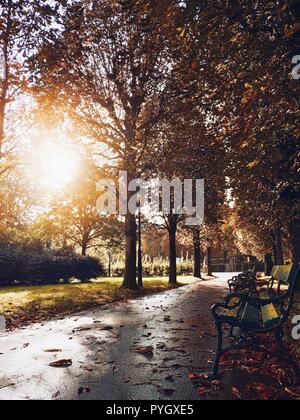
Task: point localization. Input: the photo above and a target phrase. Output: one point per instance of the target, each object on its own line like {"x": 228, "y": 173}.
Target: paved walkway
{"x": 176, "y": 324}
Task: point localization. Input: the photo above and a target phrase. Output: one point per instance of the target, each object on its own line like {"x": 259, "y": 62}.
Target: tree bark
{"x": 109, "y": 269}
{"x": 4, "y": 82}
{"x": 140, "y": 256}
{"x": 279, "y": 248}
{"x": 173, "y": 256}
{"x": 129, "y": 281}
{"x": 83, "y": 250}
{"x": 1, "y": 124}
{"x": 275, "y": 255}
{"x": 3, "y": 95}
{"x": 209, "y": 265}
{"x": 269, "y": 264}
{"x": 197, "y": 254}
{"x": 294, "y": 231}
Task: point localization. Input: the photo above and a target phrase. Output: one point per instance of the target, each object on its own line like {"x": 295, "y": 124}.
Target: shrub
{"x": 23, "y": 267}
{"x": 118, "y": 269}
{"x": 157, "y": 267}
{"x": 185, "y": 268}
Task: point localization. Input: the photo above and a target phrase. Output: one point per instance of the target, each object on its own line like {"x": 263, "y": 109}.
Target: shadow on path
{"x": 174, "y": 329}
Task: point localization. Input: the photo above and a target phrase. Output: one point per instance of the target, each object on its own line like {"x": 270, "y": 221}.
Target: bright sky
{"x": 52, "y": 160}
{"x": 55, "y": 164}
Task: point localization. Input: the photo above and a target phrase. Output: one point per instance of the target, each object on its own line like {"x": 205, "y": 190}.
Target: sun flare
{"x": 55, "y": 165}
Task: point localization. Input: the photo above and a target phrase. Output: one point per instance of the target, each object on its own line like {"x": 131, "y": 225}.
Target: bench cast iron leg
{"x": 285, "y": 353}
{"x": 219, "y": 353}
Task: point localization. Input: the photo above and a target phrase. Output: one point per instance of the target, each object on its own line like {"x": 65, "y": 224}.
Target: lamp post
{"x": 140, "y": 252}
{"x": 109, "y": 263}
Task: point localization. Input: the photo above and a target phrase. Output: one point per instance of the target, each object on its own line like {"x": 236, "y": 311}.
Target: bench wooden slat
{"x": 269, "y": 313}
{"x": 233, "y": 313}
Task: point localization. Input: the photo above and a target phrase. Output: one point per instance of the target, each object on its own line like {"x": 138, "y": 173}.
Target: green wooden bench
{"x": 255, "y": 314}
{"x": 249, "y": 282}
{"x": 244, "y": 281}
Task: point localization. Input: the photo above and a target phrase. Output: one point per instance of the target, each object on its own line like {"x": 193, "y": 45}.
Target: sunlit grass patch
{"x": 21, "y": 305}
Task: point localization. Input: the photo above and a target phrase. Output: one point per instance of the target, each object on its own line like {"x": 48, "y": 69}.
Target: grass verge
{"x": 24, "y": 305}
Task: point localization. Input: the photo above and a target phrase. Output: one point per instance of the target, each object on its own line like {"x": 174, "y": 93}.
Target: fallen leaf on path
{"x": 161, "y": 346}
{"x": 166, "y": 391}
{"x": 227, "y": 363}
{"x": 57, "y": 394}
{"x": 196, "y": 376}
{"x": 61, "y": 363}
{"x": 87, "y": 369}
{"x": 236, "y": 393}
{"x": 84, "y": 390}
{"x": 260, "y": 391}
{"x": 143, "y": 350}
{"x": 82, "y": 329}
{"x": 53, "y": 351}
{"x": 217, "y": 384}
{"x": 178, "y": 366}
{"x": 203, "y": 391}
{"x": 7, "y": 385}
{"x": 107, "y": 328}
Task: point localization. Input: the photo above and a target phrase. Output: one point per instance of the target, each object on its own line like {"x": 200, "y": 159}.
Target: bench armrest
{"x": 241, "y": 280}
{"x": 217, "y": 306}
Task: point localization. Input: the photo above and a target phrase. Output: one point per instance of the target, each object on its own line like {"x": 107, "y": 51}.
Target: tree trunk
{"x": 197, "y": 254}
{"x": 109, "y": 269}
{"x": 279, "y": 248}
{"x": 209, "y": 265}
{"x": 1, "y": 124}
{"x": 4, "y": 82}
{"x": 140, "y": 256}
{"x": 269, "y": 264}
{"x": 294, "y": 231}
{"x": 275, "y": 254}
{"x": 83, "y": 250}
{"x": 173, "y": 256}
{"x": 3, "y": 94}
{"x": 130, "y": 253}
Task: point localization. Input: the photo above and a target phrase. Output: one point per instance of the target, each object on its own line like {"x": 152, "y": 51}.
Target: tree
{"x": 171, "y": 224}
{"x": 74, "y": 220}
{"x": 253, "y": 104}
{"x": 110, "y": 67}
{"x": 22, "y": 25}
{"x": 16, "y": 200}
{"x": 197, "y": 252}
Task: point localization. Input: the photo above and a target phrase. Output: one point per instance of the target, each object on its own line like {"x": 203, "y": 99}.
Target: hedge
{"x": 158, "y": 267}
{"x": 26, "y": 268}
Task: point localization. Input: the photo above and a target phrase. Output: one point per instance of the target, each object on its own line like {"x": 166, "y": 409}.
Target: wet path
{"x": 101, "y": 344}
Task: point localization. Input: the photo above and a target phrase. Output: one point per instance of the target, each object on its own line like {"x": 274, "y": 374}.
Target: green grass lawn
{"x": 22, "y": 305}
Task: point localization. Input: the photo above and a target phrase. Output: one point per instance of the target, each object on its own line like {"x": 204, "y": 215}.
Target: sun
{"x": 55, "y": 165}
